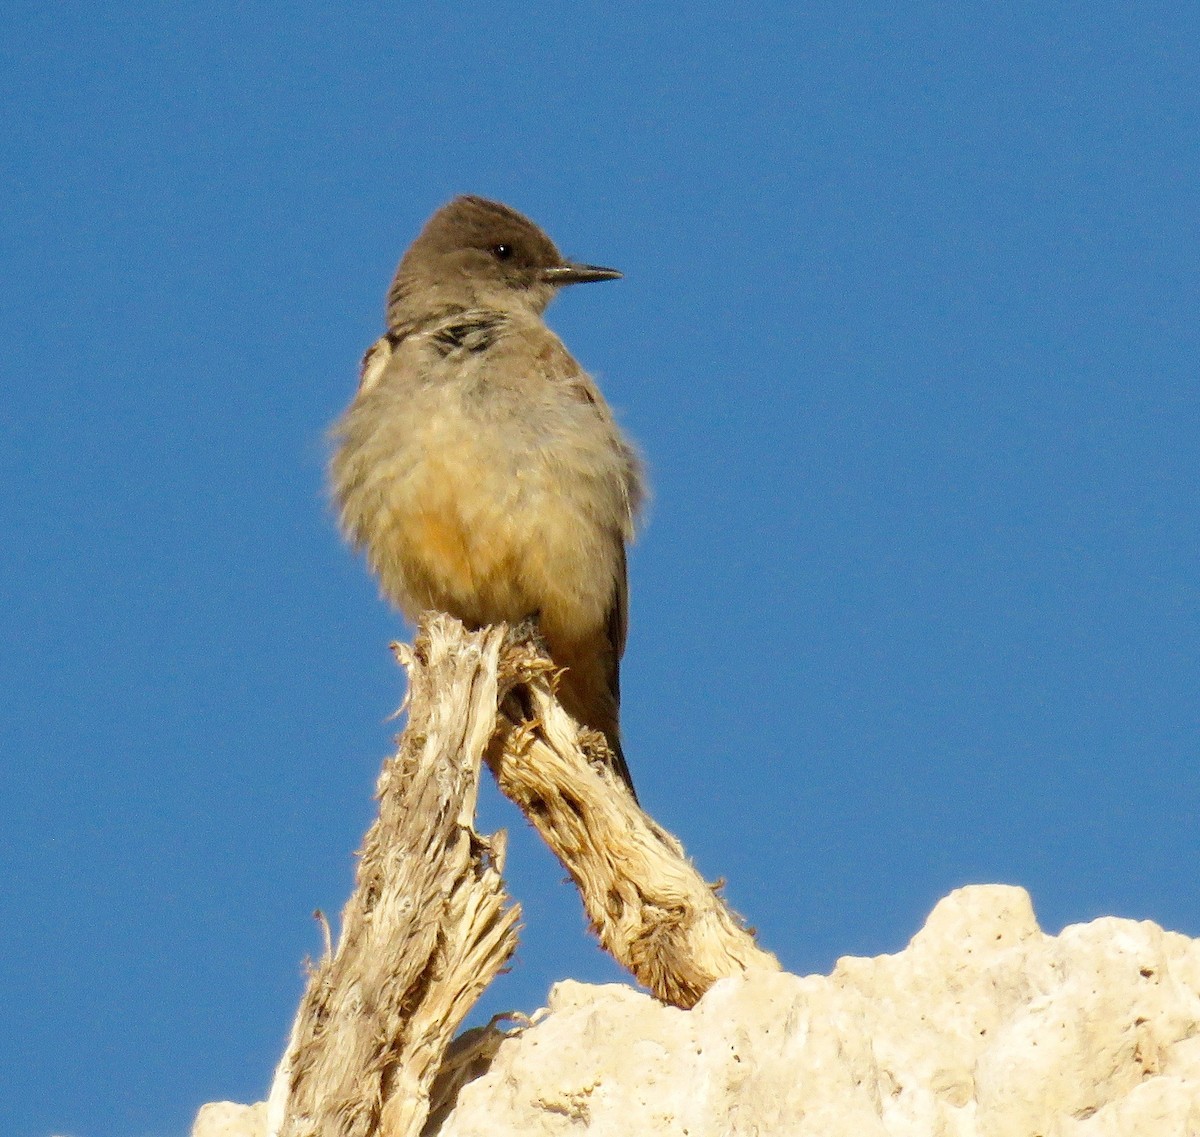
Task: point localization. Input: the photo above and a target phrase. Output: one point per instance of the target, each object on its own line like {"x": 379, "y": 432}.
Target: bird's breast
{"x": 491, "y": 506}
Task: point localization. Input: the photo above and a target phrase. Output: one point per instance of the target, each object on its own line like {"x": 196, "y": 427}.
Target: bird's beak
{"x": 571, "y": 273}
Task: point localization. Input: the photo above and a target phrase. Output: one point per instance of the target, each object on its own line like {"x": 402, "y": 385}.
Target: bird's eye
{"x": 502, "y": 251}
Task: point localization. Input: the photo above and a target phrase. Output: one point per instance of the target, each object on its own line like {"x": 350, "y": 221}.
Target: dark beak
{"x": 571, "y": 273}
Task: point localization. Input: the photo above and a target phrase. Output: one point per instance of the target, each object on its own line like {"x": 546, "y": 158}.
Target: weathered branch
{"x": 429, "y": 924}
{"x": 649, "y": 906}
{"x": 427, "y": 927}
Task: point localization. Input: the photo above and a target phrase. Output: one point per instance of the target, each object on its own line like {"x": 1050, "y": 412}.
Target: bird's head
{"x": 480, "y": 253}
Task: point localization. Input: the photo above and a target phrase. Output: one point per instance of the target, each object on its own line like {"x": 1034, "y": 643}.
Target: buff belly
{"x": 487, "y": 545}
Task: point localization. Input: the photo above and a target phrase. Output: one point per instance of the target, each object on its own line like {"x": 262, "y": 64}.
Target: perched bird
{"x": 479, "y": 466}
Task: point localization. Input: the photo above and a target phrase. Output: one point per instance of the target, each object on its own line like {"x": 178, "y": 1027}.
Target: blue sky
{"x": 908, "y": 335}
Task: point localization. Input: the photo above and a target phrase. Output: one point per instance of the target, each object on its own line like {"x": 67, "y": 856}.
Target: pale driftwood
{"x": 649, "y": 906}
{"x": 428, "y": 926}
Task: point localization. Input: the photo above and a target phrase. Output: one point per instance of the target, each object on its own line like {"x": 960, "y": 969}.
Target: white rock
{"x": 983, "y": 1027}
{"x": 228, "y": 1119}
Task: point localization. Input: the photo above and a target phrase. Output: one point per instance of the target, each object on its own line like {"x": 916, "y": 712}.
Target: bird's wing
{"x": 618, "y": 625}
{"x": 374, "y": 363}
{"x": 618, "y": 616}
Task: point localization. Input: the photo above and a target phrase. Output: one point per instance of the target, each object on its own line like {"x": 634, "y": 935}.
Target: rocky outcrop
{"x": 983, "y": 1025}
{"x": 228, "y": 1119}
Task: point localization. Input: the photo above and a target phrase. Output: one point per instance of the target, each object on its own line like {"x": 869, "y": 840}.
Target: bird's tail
{"x": 618, "y": 761}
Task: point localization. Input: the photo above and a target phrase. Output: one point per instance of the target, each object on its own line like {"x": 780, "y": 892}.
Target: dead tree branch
{"x": 429, "y": 924}
{"x": 649, "y": 906}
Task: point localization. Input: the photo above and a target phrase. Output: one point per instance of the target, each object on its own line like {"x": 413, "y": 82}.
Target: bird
{"x": 478, "y": 466}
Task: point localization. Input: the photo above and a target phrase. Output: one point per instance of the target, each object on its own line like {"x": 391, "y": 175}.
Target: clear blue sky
{"x": 909, "y": 336}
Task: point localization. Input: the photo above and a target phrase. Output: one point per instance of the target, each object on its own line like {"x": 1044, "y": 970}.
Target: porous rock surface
{"x": 983, "y": 1026}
